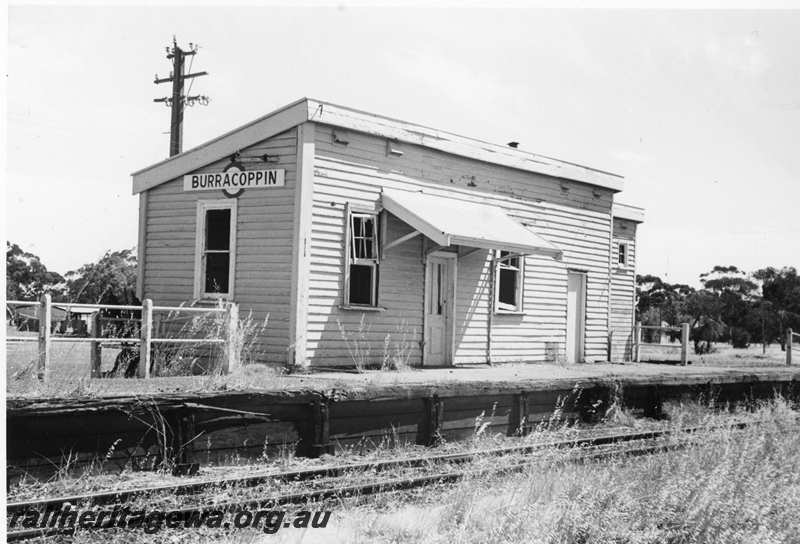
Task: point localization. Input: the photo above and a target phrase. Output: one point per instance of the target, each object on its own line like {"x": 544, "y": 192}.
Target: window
{"x": 361, "y": 276}
{"x": 216, "y": 248}
{"x": 509, "y": 282}
{"x": 622, "y": 253}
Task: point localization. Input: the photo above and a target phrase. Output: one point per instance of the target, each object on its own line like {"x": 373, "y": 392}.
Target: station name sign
{"x": 234, "y": 179}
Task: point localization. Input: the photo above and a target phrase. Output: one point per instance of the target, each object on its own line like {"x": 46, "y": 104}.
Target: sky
{"x": 699, "y": 110}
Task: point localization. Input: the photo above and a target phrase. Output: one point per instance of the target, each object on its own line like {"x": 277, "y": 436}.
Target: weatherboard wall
{"x": 573, "y": 215}
{"x": 263, "y": 243}
{"x": 623, "y": 290}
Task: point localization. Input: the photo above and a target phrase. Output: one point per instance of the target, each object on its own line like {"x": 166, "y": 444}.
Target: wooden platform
{"x": 321, "y": 412}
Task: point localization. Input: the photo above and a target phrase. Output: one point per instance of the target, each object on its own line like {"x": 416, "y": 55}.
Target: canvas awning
{"x": 449, "y": 221}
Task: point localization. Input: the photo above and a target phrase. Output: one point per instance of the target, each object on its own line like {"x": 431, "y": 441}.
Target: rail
{"x": 327, "y": 482}
{"x": 45, "y": 338}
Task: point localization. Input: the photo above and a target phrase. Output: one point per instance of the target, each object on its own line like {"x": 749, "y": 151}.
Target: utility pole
{"x": 178, "y": 100}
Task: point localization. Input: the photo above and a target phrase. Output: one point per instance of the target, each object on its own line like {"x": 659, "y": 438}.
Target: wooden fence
{"x": 145, "y": 338}
{"x": 684, "y": 345}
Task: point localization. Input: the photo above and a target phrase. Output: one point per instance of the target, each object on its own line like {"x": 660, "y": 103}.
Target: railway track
{"x": 325, "y": 483}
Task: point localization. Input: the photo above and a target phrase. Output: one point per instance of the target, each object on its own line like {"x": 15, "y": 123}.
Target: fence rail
{"x": 145, "y": 339}
{"x": 684, "y": 345}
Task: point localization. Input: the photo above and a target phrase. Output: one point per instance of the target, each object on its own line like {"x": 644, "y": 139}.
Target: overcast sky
{"x": 700, "y": 111}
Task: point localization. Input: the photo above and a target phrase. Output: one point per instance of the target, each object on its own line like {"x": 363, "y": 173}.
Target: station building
{"x": 365, "y": 238}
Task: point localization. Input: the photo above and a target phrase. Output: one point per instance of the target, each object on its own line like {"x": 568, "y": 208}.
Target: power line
{"x": 178, "y": 101}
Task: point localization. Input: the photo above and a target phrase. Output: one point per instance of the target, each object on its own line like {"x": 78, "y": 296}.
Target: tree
{"x": 659, "y": 301}
{"x": 27, "y": 278}
{"x": 780, "y": 290}
{"x": 737, "y": 295}
{"x": 110, "y": 280}
{"x": 706, "y": 325}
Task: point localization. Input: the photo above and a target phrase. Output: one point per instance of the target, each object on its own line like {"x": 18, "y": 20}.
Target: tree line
{"x": 732, "y": 306}
{"x": 109, "y": 280}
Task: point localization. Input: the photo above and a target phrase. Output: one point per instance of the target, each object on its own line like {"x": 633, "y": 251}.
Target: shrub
{"x": 740, "y": 338}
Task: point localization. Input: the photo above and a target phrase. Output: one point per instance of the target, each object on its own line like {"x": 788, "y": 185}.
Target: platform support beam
{"x": 517, "y": 419}
{"x": 429, "y": 430}
{"x": 789, "y": 335}
{"x": 315, "y": 431}
{"x": 183, "y": 430}
{"x": 637, "y": 340}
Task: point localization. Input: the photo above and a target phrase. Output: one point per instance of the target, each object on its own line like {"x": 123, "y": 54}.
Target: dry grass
{"x": 723, "y": 355}
{"x": 396, "y": 351}
{"x": 736, "y": 487}
{"x": 196, "y": 366}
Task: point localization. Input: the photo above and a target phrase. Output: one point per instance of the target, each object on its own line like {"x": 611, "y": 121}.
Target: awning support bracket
{"x": 470, "y": 252}
{"x": 400, "y": 240}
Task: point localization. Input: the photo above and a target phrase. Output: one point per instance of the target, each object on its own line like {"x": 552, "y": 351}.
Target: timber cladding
{"x": 623, "y": 289}
{"x": 294, "y": 260}
{"x": 574, "y": 216}
{"x": 263, "y": 243}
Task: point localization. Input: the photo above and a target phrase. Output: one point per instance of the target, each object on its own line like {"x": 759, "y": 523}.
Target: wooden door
{"x": 438, "y": 311}
{"x": 576, "y": 321}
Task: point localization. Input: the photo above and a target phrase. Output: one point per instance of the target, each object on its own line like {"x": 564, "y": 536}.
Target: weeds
{"x": 734, "y": 486}
{"x": 396, "y": 354}
{"x": 357, "y": 343}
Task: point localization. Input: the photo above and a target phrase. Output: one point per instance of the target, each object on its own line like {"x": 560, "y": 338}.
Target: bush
{"x": 740, "y": 338}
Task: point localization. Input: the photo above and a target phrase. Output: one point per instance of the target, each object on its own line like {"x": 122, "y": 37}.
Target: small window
{"x": 361, "y": 277}
{"x": 216, "y": 230}
{"x": 509, "y": 282}
{"x": 622, "y": 254}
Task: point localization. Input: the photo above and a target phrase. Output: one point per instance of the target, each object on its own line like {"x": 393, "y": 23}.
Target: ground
{"x": 69, "y": 376}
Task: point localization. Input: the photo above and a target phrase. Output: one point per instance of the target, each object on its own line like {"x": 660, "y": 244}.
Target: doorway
{"x": 576, "y": 315}
{"x": 440, "y": 281}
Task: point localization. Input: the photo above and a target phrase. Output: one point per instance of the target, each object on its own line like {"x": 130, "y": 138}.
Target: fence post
{"x": 156, "y": 332}
{"x": 232, "y": 340}
{"x": 637, "y": 339}
{"x": 143, "y": 370}
{"x": 45, "y": 317}
{"x": 95, "y": 353}
{"x": 610, "y": 344}
{"x": 684, "y": 343}
{"x": 789, "y": 347}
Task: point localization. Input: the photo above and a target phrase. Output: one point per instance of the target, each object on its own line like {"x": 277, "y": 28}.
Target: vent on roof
{"x": 513, "y": 144}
